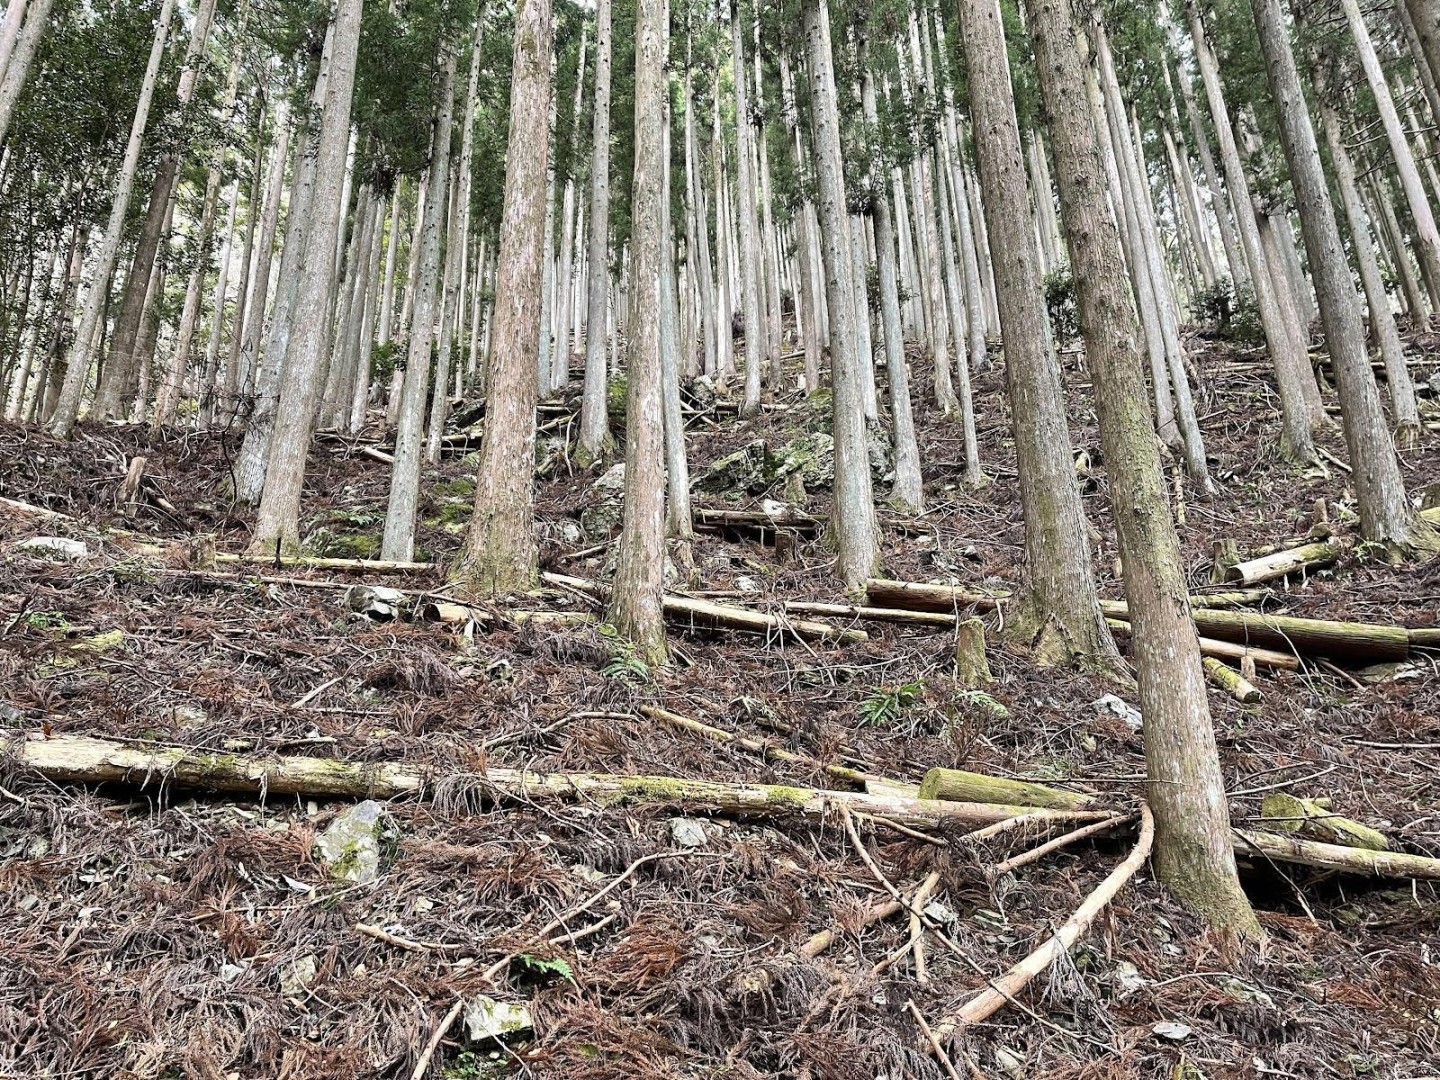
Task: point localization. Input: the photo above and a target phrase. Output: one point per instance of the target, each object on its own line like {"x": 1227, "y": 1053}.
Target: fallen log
{"x": 691, "y": 614}
{"x": 1372, "y": 642}
{"x": 918, "y": 596}
{"x": 936, "y": 619}
{"x": 38, "y": 511}
{"x": 1348, "y": 860}
{"x": 1002, "y": 990}
{"x": 89, "y": 760}
{"x": 1312, "y": 820}
{"x": 1229, "y": 650}
{"x": 1120, "y": 609}
{"x": 957, "y": 785}
{"x": 374, "y": 566}
{"x": 788, "y": 518}
{"x": 1231, "y": 681}
{"x": 1297, "y": 560}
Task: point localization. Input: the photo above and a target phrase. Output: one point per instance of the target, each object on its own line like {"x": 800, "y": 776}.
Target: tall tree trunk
{"x": 1382, "y": 320}
{"x": 697, "y": 242}
{"x": 500, "y": 555}
{"x": 407, "y": 303}
{"x": 1193, "y": 853}
{"x": 1386, "y": 516}
{"x": 210, "y": 389}
{"x": 116, "y": 384}
{"x": 1427, "y": 238}
{"x": 594, "y": 424}
{"x": 1425, "y": 18}
{"x": 239, "y": 378}
{"x": 907, "y": 492}
{"x": 749, "y": 254}
{"x": 77, "y": 371}
{"x": 855, "y": 530}
{"x": 678, "y": 521}
{"x": 634, "y": 608}
{"x": 440, "y": 399}
{"x": 277, "y": 525}
{"x": 27, "y": 43}
{"x": 565, "y": 277}
{"x": 398, "y": 542}
{"x": 1292, "y": 365}
{"x": 1058, "y": 607}
{"x": 10, "y": 32}
{"x": 263, "y": 376}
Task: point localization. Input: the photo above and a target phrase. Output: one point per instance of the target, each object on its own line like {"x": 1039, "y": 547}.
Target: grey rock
{"x": 810, "y": 458}
{"x": 600, "y": 521}
{"x": 377, "y": 602}
{"x": 569, "y": 532}
{"x": 612, "y": 481}
{"x": 486, "y": 1019}
{"x": 352, "y": 845}
{"x": 1114, "y": 706}
{"x": 55, "y": 548}
{"x": 688, "y": 833}
{"x": 741, "y": 470}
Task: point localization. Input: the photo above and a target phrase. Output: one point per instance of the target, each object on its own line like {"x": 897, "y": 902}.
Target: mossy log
{"x": 1302, "y": 559}
{"x": 1231, "y": 681}
{"x": 1312, "y": 819}
{"x": 917, "y": 596}
{"x": 85, "y": 759}
{"x": 1338, "y": 857}
{"x": 956, "y": 785}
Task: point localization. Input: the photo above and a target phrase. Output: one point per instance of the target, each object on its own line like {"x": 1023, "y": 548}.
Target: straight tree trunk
{"x": 1427, "y": 238}
{"x": 450, "y": 285}
{"x": 678, "y": 521}
{"x": 1386, "y": 516}
{"x": 1382, "y": 319}
{"x": 1424, "y": 17}
{"x": 635, "y": 600}
{"x": 1058, "y": 606}
{"x": 398, "y": 542}
{"x": 277, "y": 525}
{"x": 697, "y": 242}
{"x": 77, "y": 371}
{"x": 10, "y": 32}
{"x": 1193, "y": 853}
{"x": 855, "y": 530}
{"x": 263, "y": 377}
{"x": 560, "y": 366}
{"x": 500, "y": 555}
{"x": 210, "y": 389}
{"x": 907, "y": 492}
{"x": 594, "y": 424}
{"x": 749, "y": 247}
{"x": 1292, "y": 366}
{"x": 239, "y": 378}
{"x": 27, "y": 43}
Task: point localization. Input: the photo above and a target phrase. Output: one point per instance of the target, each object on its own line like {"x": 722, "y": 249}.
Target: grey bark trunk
{"x": 594, "y": 424}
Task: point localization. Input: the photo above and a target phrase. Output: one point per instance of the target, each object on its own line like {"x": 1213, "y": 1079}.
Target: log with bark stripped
{"x": 1304, "y": 559}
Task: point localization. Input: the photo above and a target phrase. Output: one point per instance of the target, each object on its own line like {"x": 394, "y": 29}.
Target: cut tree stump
{"x": 1312, "y": 820}
{"x": 956, "y": 785}
{"x": 1303, "y": 559}
{"x": 88, "y": 760}
{"x": 972, "y": 670}
{"x": 1231, "y": 681}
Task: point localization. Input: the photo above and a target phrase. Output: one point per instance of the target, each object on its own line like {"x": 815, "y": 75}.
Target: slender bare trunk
{"x": 594, "y": 424}
{"x": 27, "y": 43}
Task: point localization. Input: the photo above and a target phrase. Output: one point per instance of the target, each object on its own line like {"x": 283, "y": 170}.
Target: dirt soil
{"x": 150, "y": 932}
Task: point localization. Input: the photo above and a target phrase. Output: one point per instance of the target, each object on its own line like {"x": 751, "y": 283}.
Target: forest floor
{"x": 156, "y": 933}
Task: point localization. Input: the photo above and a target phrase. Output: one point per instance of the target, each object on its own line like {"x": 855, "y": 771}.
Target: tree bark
{"x": 1193, "y": 854}
{"x": 277, "y": 525}
{"x": 399, "y": 537}
{"x": 749, "y": 255}
{"x": 594, "y": 424}
{"x": 1058, "y": 602}
{"x": 1386, "y": 516}
{"x": 27, "y": 43}
{"x": 77, "y": 371}
{"x": 500, "y": 553}
{"x": 855, "y": 530}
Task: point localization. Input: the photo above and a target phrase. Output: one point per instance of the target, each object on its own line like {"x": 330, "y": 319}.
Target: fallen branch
{"x": 917, "y": 596}
{"x": 89, "y": 760}
{"x": 756, "y": 746}
{"x": 691, "y": 614}
{"x": 1035, "y": 854}
{"x": 993, "y": 998}
{"x": 38, "y": 511}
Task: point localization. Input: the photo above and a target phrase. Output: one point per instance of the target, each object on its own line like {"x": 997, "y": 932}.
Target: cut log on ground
{"x": 691, "y": 614}
{"x": 1231, "y": 681}
{"x": 917, "y": 596}
{"x": 361, "y": 566}
{"x": 1002, "y": 990}
{"x": 37, "y": 511}
{"x": 761, "y": 521}
{"x": 1311, "y": 819}
{"x": 937, "y": 619}
{"x": 1347, "y": 860}
{"x": 1369, "y": 642}
{"x": 956, "y": 785}
{"x": 1229, "y": 650}
{"x": 1299, "y": 560}
{"x": 88, "y": 760}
